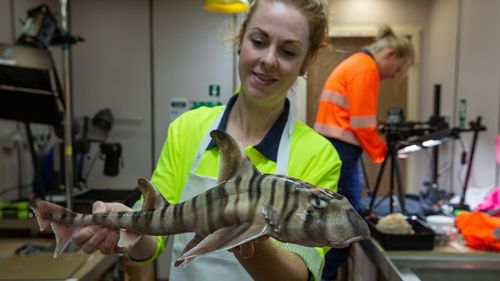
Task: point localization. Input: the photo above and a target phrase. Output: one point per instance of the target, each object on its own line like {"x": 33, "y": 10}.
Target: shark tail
{"x": 45, "y": 213}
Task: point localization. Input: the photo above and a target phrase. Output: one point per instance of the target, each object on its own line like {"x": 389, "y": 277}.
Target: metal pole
{"x": 68, "y": 146}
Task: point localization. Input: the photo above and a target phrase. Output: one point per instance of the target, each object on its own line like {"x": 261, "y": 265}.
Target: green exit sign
{"x": 214, "y": 90}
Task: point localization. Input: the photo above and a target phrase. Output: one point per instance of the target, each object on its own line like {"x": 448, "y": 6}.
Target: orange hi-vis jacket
{"x": 348, "y": 105}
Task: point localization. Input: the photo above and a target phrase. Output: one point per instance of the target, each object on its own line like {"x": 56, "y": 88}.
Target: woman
{"x": 277, "y": 41}
{"x": 347, "y": 113}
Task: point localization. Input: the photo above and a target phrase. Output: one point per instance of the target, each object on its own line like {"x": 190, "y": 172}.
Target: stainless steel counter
{"x": 442, "y": 263}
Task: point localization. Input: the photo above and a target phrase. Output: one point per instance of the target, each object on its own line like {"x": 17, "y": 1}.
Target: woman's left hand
{"x": 246, "y": 250}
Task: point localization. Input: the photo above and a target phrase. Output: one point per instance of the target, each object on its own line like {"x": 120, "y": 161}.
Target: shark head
{"x": 321, "y": 218}
{"x": 296, "y": 211}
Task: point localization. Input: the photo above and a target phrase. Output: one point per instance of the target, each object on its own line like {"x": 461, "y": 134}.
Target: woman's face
{"x": 390, "y": 65}
{"x": 272, "y": 51}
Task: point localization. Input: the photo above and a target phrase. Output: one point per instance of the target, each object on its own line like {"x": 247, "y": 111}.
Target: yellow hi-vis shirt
{"x": 312, "y": 159}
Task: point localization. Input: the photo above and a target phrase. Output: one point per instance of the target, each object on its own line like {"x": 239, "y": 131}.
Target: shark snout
{"x": 358, "y": 224}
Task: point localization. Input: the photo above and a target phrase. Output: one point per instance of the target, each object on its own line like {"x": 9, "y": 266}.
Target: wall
{"x": 191, "y": 51}
{"x": 440, "y": 68}
{"x": 479, "y": 83}
{"x": 111, "y": 69}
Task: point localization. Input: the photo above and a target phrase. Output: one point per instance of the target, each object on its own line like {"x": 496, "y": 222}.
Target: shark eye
{"x": 318, "y": 203}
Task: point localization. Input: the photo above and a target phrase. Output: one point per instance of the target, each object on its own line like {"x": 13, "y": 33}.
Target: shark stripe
{"x": 180, "y": 218}
{"x": 274, "y": 181}
{"x": 194, "y": 210}
{"x": 164, "y": 210}
{"x": 293, "y": 208}
{"x": 237, "y": 183}
{"x": 251, "y": 186}
{"x": 211, "y": 222}
{"x": 223, "y": 199}
{"x": 286, "y": 196}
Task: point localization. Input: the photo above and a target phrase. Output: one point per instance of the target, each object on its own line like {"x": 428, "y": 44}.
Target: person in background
{"x": 347, "y": 114}
{"x": 277, "y": 41}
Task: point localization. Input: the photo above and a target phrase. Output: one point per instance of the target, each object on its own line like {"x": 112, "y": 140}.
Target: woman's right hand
{"x": 105, "y": 239}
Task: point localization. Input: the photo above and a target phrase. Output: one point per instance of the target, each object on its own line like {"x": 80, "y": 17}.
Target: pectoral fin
{"x": 226, "y": 238}
{"x": 127, "y": 241}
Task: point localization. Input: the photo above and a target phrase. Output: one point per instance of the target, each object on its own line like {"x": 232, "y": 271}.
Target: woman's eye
{"x": 257, "y": 42}
{"x": 289, "y": 53}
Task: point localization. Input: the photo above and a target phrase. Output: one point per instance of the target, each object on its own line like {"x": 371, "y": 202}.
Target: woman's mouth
{"x": 263, "y": 78}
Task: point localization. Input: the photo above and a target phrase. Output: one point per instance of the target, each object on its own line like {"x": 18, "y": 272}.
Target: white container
{"x": 440, "y": 223}
{"x": 443, "y": 227}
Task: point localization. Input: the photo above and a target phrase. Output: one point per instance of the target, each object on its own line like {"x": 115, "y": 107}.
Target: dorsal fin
{"x": 232, "y": 156}
{"x": 152, "y": 198}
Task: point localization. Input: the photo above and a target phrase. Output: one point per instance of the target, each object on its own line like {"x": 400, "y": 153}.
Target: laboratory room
{"x": 249, "y": 140}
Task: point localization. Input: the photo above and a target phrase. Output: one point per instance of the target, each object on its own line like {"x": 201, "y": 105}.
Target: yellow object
{"x": 226, "y": 6}
{"x": 17, "y": 210}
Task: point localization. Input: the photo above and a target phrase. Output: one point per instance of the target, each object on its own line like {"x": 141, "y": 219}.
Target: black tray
{"x": 423, "y": 239}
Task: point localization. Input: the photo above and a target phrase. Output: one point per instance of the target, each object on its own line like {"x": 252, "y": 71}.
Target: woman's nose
{"x": 269, "y": 59}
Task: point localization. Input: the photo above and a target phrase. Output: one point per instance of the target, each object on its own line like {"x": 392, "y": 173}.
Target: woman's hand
{"x": 94, "y": 237}
{"x": 247, "y": 250}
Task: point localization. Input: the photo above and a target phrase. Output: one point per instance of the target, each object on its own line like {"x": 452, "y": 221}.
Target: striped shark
{"x": 245, "y": 205}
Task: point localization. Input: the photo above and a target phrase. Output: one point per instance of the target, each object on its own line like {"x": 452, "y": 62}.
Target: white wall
{"x": 439, "y": 67}
{"x": 479, "y": 82}
{"x": 191, "y": 51}
{"x": 111, "y": 69}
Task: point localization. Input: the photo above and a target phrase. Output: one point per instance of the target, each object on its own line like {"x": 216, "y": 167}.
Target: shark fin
{"x": 64, "y": 235}
{"x": 37, "y": 205}
{"x": 153, "y": 199}
{"x": 195, "y": 241}
{"x": 224, "y": 239}
{"x": 233, "y": 158}
{"x": 127, "y": 240}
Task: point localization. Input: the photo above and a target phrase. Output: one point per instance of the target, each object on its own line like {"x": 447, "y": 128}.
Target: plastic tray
{"x": 423, "y": 239}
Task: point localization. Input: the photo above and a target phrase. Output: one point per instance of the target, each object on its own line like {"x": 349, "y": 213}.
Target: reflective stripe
{"x": 336, "y": 132}
{"x": 363, "y": 121}
{"x": 335, "y": 98}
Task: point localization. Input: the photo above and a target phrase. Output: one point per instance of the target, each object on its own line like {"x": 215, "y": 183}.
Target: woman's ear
{"x": 305, "y": 65}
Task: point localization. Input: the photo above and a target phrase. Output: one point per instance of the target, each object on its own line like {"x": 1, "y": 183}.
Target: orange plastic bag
{"x": 477, "y": 229}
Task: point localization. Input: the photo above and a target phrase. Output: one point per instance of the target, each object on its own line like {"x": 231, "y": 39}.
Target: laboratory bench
{"x": 17, "y": 264}
{"x": 369, "y": 261}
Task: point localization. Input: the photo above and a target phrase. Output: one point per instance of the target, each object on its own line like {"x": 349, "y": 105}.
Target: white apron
{"x": 221, "y": 265}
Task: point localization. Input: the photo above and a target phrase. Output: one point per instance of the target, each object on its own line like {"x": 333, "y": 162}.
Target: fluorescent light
{"x": 431, "y": 143}
{"x": 226, "y": 6}
{"x": 409, "y": 149}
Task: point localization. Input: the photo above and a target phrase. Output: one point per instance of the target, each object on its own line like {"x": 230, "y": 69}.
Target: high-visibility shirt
{"x": 312, "y": 159}
{"x": 348, "y": 105}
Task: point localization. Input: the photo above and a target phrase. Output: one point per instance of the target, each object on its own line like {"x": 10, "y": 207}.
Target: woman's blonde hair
{"x": 386, "y": 38}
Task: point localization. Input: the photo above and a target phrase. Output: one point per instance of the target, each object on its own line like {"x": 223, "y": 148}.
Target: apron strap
{"x": 284, "y": 147}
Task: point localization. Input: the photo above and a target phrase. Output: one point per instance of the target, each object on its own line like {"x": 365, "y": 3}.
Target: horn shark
{"x": 245, "y": 205}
